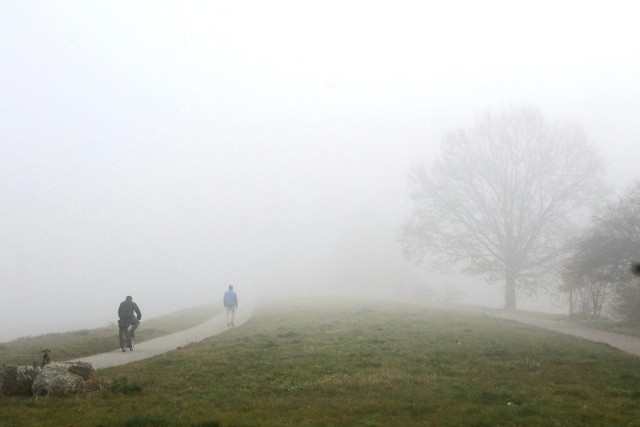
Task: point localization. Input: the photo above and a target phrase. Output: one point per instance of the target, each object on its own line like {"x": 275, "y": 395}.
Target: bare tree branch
{"x": 502, "y": 198}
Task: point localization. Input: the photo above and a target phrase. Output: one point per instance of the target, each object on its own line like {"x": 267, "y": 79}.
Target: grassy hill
{"x": 364, "y": 364}
{"x": 69, "y": 345}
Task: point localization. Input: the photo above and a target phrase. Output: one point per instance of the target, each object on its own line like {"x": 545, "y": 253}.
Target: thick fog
{"x": 166, "y": 150}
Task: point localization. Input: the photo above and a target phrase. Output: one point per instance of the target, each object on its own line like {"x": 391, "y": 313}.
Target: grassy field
{"x": 364, "y": 364}
{"x": 68, "y": 345}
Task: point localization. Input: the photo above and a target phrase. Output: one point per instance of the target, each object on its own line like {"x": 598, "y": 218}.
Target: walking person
{"x": 230, "y": 302}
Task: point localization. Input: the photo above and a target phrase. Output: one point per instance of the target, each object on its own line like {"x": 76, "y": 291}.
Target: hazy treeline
{"x": 509, "y": 198}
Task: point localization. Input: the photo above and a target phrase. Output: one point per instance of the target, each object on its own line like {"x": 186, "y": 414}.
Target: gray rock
{"x": 16, "y": 380}
{"x": 56, "y": 381}
{"x": 83, "y": 369}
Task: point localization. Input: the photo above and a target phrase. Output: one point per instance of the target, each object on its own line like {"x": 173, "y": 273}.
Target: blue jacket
{"x": 230, "y": 298}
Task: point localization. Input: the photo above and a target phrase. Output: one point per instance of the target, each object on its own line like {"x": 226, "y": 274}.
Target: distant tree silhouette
{"x": 603, "y": 263}
{"x": 502, "y": 199}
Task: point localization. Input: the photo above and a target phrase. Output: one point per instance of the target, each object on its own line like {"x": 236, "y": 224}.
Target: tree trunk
{"x": 571, "y": 303}
{"x": 510, "y": 291}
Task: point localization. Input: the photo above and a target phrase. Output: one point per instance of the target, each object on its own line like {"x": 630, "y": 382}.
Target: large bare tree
{"x": 502, "y": 198}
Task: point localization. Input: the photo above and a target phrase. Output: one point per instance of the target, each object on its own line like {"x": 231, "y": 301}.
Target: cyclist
{"x": 129, "y": 314}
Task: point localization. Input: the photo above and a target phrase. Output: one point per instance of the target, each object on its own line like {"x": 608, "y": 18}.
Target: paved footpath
{"x": 217, "y": 325}
{"x": 157, "y": 346}
{"x": 623, "y": 342}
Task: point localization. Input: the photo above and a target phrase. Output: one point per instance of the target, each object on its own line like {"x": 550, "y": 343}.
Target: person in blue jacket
{"x": 230, "y": 302}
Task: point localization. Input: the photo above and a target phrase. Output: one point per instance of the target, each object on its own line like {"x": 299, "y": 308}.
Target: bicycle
{"x": 127, "y": 340}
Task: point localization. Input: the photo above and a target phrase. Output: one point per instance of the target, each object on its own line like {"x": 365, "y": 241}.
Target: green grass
{"x": 364, "y": 364}
{"x": 69, "y": 345}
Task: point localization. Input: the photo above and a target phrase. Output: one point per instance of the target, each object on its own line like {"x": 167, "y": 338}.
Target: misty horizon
{"x": 166, "y": 150}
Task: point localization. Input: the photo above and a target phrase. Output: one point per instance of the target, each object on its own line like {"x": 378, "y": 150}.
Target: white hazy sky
{"x": 168, "y": 149}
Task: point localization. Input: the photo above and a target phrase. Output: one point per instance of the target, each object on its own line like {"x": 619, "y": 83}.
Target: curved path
{"x": 217, "y": 325}
{"x": 625, "y": 343}
{"x": 154, "y": 347}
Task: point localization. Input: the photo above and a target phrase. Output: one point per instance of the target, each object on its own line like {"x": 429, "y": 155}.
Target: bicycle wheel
{"x": 132, "y": 342}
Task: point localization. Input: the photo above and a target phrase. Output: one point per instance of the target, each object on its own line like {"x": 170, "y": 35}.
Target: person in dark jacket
{"x": 129, "y": 314}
